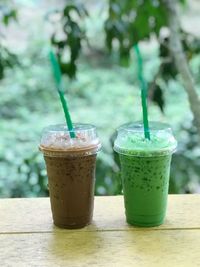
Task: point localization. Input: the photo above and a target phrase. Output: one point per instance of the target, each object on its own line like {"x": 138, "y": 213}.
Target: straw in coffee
{"x": 58, "y": 80}
{"x": 143, "y": 85}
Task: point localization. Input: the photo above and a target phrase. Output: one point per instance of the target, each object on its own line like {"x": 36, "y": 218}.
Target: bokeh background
{"x": 94, "y": 44}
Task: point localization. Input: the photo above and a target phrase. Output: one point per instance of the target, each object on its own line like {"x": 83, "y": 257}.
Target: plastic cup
{"x": 71, "y": 164}
{"x": 145, "y": 168}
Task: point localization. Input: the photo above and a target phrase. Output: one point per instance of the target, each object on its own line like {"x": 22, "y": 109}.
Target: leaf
{"x": 69, "y": 69}
{"x": 69, "y": 8}
{"x": 8, "y": 16}
{"x": 1, "y": 71}
{"x": 169, "y": 71}
{"x": 156, "y": 95}
{"x": 109, "y": 38}
{"x": 164, "y": 48}
{"x": 7, "y": 60}
{"x": 124, "y": 56}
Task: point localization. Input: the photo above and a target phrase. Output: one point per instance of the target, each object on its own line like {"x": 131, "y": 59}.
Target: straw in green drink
{"x": 143, "y": 92}
{"x": 58, "y": 80}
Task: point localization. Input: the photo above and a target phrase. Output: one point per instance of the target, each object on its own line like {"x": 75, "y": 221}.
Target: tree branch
{"x": 177, "y": 51}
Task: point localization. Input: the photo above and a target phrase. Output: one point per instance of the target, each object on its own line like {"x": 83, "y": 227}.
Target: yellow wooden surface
{"x": 34, "y": 214}
{"x": 28, "y": 237}
{"x": 160, "y": 248}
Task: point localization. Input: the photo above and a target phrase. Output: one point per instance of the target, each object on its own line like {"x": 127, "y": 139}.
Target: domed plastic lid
{"x": 131, "y": 141}
{"x": 56, "y": 140}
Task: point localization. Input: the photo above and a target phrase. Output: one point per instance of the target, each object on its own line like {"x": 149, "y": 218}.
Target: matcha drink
{"x": 145, "y": 167}
{"x": 71, "y": 173}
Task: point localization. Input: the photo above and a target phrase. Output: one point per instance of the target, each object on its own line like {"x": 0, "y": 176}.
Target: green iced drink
{"x": 145, "y": 168}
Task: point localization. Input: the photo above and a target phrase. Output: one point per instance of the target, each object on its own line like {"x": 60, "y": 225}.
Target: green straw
{"x": 143, "y": 92}
{"x": 58, "y": 80}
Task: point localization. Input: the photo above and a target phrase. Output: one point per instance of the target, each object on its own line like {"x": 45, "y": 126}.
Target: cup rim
{"x": 138, "y": 126}
{"x": 84, "y": 151}
{"x": 137, "y": 129}
{"x": 81, "y": 127}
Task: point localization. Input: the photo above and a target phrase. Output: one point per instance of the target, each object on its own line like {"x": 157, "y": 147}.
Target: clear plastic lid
{"x": 56, "y": 140}
{"x": 131, "y": 141}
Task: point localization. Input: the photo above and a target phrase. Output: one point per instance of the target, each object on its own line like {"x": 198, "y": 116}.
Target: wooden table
{"x": 28, "y": 237}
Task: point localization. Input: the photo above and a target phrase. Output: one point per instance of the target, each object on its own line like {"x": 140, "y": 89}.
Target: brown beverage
{"x": 71, "y": 176}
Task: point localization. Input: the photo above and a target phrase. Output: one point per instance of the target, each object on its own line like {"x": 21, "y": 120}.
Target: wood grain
{"x": 34, "y": 215}
{"x": 168, "y": 248}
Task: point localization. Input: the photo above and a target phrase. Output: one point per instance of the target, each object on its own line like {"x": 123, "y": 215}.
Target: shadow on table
{"x": 76, "y": 246}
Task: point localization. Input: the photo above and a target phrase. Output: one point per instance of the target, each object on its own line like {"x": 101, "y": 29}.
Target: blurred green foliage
{"x": 130, "y": 22}
{"x": 29, "y": 102}
{"x": 127, "y": 23}
{"x": 73, "y": 35}
{"x": 7, "y": 58}
{"x": 103, "y": 94}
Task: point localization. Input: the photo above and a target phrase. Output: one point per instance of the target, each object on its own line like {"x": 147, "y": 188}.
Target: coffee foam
{"x": 62, "y": 141}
